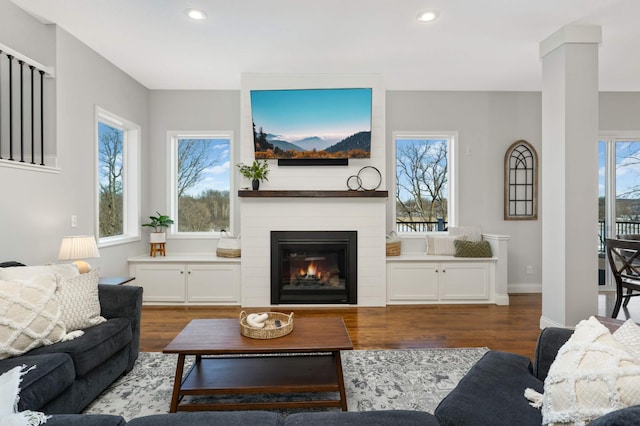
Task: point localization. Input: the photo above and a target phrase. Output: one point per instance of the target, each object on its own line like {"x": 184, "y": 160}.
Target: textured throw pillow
{"x": 79, "y": 301}
{"x": 442, "y": 244}
{"x": 472, "y": 248}
{"x": 628, "y": 335}
{"x": 473, "y": 233}
{"x": 28, "y": 272}
{"x": 592, "y": 375}
{"x": 29, "y": 315}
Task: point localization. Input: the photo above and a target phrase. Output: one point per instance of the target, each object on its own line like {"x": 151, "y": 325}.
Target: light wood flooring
{"x": 512, "y": 328}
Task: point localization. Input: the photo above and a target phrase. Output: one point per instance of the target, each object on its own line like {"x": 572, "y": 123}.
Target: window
{"x": 424, "y": 187}
{"x": 618, "y": 192}
{"x": 118, "y": 179}
{"x": 200, "y": 183}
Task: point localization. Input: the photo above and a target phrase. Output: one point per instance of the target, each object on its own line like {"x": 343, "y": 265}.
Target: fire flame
{"x": 311, "y": 269}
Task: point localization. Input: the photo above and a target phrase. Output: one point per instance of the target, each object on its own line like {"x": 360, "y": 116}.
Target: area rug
{"x": 409, "y": 379}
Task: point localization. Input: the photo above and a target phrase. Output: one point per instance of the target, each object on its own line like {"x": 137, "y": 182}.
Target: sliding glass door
{"x": 618, "y": 195}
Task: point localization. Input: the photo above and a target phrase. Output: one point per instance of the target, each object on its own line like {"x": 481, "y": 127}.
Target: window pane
{"x": 422, "y": 184}
{"x": 203, "y": 185}
{"x": 110, "y": 204}
{"x": 628, "y": 187}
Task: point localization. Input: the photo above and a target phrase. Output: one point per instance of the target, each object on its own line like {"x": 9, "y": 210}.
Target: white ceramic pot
{"x": 157, "y": 237}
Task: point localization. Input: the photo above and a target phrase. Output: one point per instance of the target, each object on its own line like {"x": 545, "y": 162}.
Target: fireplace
{"x": 314, "y": 267}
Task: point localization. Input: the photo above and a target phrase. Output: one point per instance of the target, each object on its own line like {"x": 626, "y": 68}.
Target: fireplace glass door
{"x": 313, "y": 267}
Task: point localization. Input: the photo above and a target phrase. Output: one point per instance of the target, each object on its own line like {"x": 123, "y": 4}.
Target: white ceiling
{"x": 474, "y": 45}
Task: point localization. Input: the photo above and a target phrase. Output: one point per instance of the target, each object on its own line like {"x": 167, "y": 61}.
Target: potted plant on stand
{"x": 257, "y": 172}
{"x": 159, "y": 224}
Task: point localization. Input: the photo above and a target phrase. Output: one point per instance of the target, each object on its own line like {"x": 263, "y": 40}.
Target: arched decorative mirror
{"x": 521, "y": 182}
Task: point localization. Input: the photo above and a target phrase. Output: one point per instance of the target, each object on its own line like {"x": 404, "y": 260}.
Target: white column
{"x": 569, "y": 169}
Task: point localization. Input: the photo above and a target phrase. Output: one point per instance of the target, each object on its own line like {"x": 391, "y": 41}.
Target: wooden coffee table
{"x": 306, "y": 360}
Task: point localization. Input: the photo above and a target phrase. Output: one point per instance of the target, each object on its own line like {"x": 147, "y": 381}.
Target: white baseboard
{"x": 546, "y": 322}
{"x": 525, "y": 288}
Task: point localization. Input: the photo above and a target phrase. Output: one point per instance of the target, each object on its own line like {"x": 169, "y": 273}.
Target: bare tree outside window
{"x": 203, "y": 184}
{"x": 110, "y": 141}
{"x": 421, "y": 184}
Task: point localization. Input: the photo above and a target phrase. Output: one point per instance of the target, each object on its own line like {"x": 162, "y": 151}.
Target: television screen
{"x": 311, "y": 123}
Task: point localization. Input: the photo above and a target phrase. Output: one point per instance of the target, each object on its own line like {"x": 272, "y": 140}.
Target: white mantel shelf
{"x": 312, "y": 194}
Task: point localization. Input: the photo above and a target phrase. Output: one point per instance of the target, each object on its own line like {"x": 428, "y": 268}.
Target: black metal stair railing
{"x": 22, "y": 110}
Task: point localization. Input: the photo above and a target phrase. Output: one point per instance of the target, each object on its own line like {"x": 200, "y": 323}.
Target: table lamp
{"x": 79, "y": 247}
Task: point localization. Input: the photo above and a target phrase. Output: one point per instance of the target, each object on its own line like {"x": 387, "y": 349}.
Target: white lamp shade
{"x": 78, "y": 247}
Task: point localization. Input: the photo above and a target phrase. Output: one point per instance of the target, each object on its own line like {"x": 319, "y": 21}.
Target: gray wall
{"x": 37, "y": 207}
{"x": 487, "y": 124}
{"x": 178, "y": 110}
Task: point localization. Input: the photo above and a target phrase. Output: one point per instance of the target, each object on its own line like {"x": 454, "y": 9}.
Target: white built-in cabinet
{"x": 440, "y": 279}
{"x": 187, "y": 279}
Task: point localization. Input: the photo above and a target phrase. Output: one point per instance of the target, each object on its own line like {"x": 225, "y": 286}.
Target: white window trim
{"x": 131, "y": 182}
{"x": 172, "y": 184}
{"x": 610, "y": 137}
{"x": 452, "y": 164}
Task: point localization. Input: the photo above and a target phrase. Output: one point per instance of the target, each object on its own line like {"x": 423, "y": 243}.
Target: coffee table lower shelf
{"x": 281, "y": 374}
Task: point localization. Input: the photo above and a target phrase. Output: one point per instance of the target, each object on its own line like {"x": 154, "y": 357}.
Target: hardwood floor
{"x": 512, "y": 328}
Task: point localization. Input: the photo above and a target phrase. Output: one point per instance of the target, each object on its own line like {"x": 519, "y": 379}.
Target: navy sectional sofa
{"x": 70, "y": 375}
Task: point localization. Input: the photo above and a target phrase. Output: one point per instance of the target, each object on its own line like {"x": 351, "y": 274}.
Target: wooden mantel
{"x": 312, "y": 194}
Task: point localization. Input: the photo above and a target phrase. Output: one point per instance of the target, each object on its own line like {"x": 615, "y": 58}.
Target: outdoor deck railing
{"x": 439, "y": 225}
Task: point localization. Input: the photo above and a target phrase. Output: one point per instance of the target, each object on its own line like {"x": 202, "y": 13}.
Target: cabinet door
{"x": 213, "y": 283}
{"x": 161, "y": 283}
{"x": 464, "y": 281}
{"x": 412, "y": 282}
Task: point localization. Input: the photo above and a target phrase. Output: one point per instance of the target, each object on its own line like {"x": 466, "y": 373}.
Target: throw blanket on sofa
{"x": 9, "y": 397}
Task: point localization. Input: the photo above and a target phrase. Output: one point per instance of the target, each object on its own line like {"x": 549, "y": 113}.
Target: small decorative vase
{"x": 255, "y": 184}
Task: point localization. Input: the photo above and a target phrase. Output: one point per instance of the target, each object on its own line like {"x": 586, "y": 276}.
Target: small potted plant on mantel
{"x": 257, "y": 172}
{"x": 159, "y": 224}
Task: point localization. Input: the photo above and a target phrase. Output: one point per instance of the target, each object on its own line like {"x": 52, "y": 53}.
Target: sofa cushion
{"x": 85, "y": 420}
{"x": 96, "y": 345}
{"x": 29, "y": 315}
{"x": 625, "y": 417}
{"x": 492, "y": 393}
{"x": 219, "y": 418}
{"x": 52, "y": 375}
{"x": 364, "y": 418}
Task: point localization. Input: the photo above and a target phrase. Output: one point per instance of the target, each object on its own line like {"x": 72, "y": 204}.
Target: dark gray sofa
{"x": 69, "y": 375}
{"x": 250, "y": 418}
{"x": 492, "y": 392}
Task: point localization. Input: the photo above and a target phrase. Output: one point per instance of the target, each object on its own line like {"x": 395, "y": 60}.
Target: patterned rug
{"x": 410, "y": 379}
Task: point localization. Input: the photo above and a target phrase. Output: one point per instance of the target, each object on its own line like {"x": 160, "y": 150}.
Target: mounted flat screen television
{"x": 318, "y": 124}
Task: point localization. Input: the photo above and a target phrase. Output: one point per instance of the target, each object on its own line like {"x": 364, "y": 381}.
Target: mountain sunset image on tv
{"x": 311, "y": 123}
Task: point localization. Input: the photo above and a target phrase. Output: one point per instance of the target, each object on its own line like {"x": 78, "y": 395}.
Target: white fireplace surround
{"x": 260, "y": 216}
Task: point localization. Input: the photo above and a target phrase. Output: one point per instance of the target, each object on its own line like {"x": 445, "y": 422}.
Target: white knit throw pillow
{"x": 592, "y": 375}
{"x": 628, "y": 335}
{"x": 443, "y": 244}
{"x": 29, "y": 315}
{"x": 79, "y": 301}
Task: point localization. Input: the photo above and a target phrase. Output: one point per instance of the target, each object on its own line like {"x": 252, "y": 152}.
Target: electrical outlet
{"x": 74, "y": 221}
{"x": 529, "y": 270}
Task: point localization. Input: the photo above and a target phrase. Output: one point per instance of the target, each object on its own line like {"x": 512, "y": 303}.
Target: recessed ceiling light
{"x": 196, "y": 14}
{"x": 427, "y": 16}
